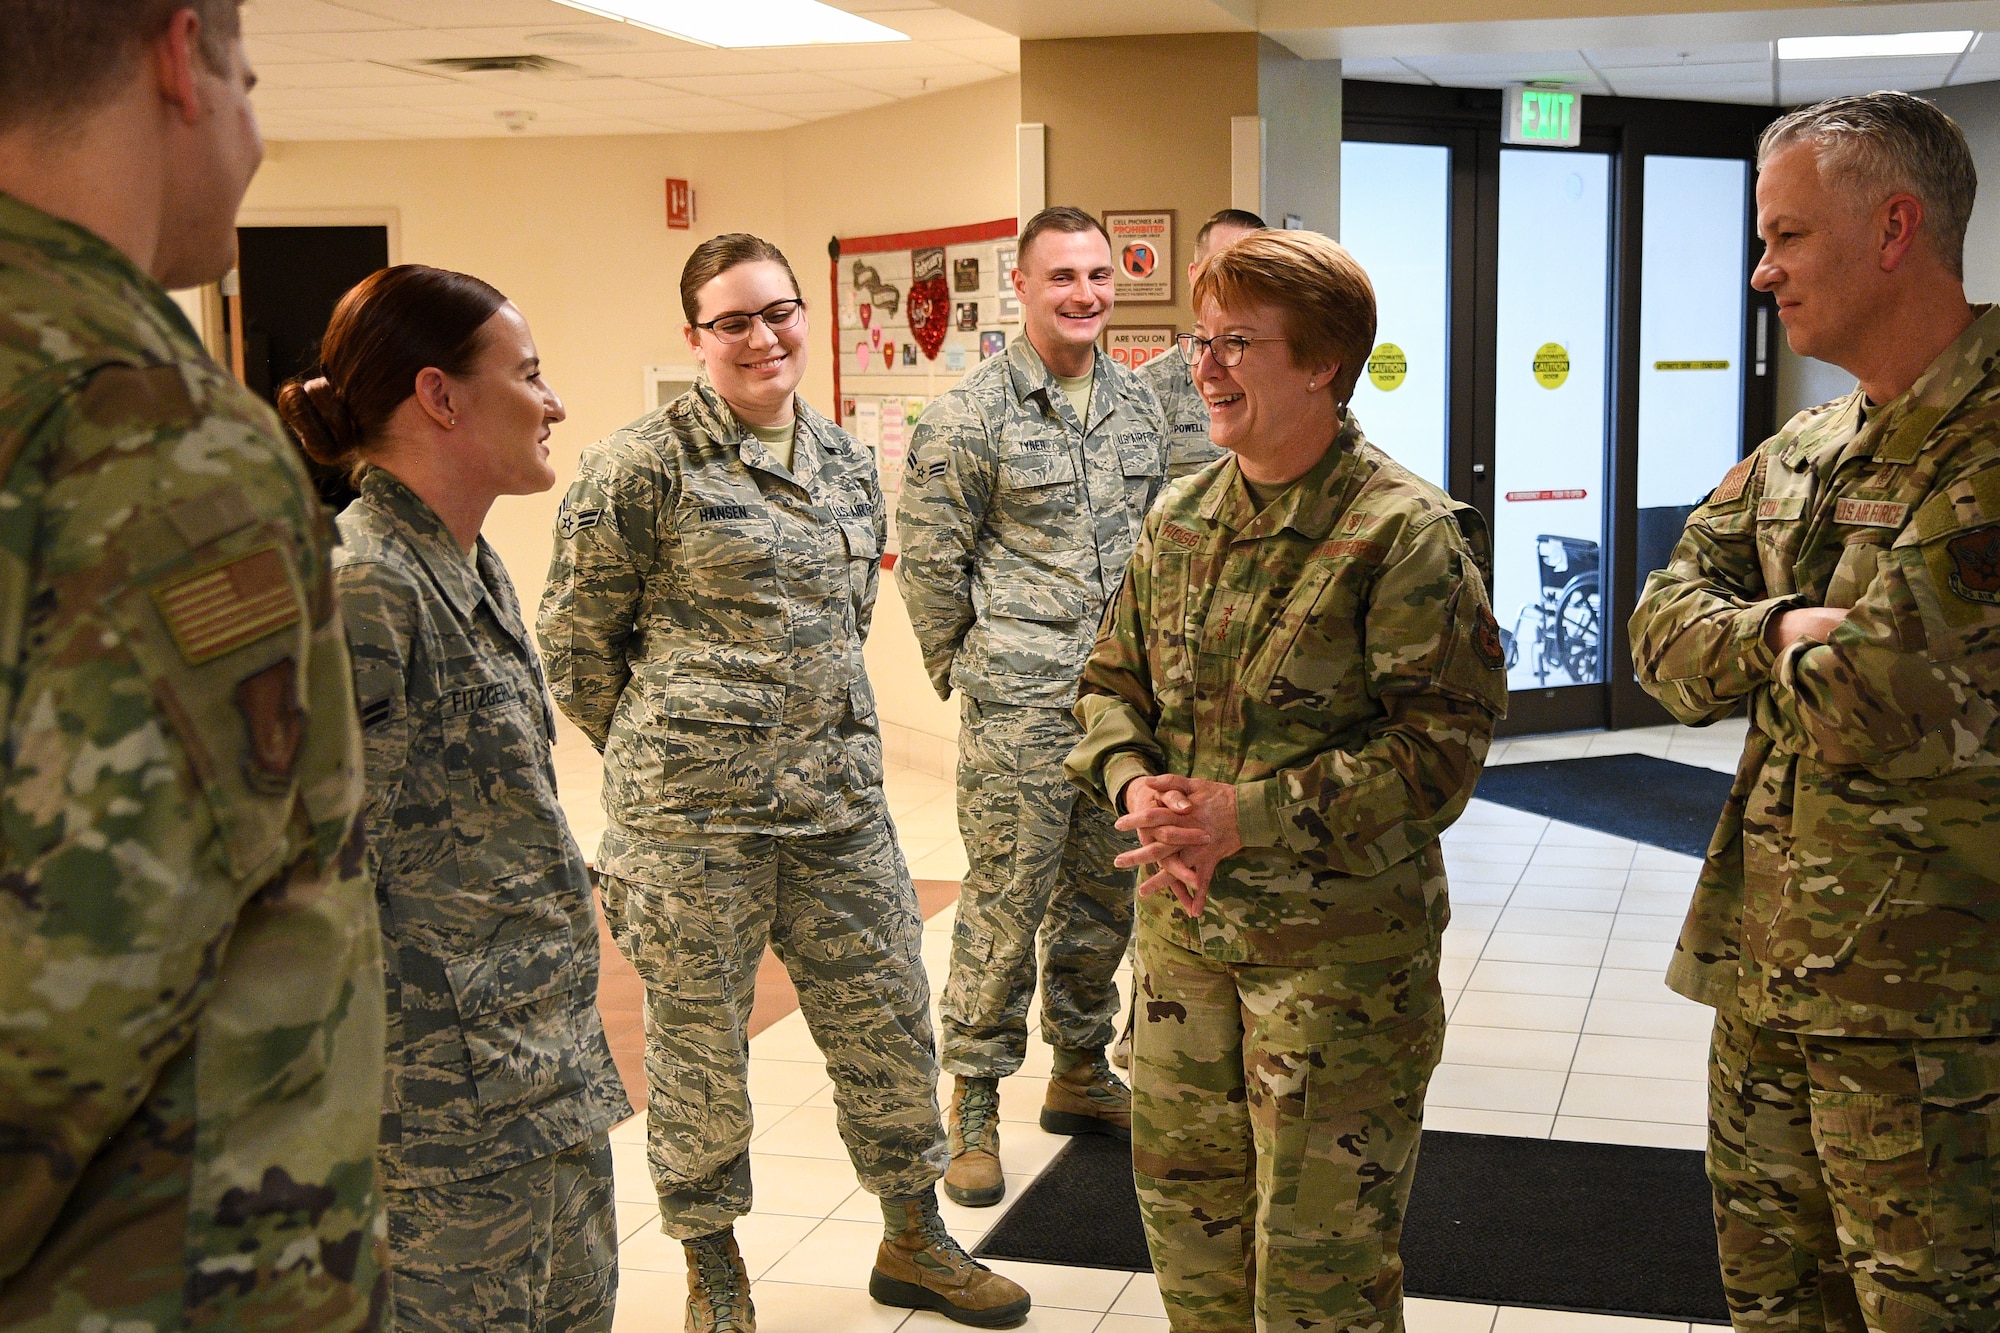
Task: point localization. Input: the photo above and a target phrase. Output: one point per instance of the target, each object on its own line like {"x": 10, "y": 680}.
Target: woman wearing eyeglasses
{"x": 714, "y": 576}
{"x": 1290, "y": 700}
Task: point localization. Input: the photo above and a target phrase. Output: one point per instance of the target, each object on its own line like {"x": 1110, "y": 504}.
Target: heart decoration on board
{"x": 867, "y": 314}
{"x": 861, "y": 354}
{"x": 874, "y": 337}
{"x": 929, "y": 302}
{"x": 888, "y": 356}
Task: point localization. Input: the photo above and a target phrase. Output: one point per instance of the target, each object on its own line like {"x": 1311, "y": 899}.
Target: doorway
{"x": 291, "y": 279}
{"x": 1567, "y": 340}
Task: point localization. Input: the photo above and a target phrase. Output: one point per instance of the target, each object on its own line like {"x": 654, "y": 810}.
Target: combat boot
{"x": 921, "y": 1267}
{"x": 974, "y": 1178}
{"x": 718, "y": 1286}
{"x": 1085, "y": 1097}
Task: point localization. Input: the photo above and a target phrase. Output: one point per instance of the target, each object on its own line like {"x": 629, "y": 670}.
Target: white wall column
{"x": 1299, "y": 102}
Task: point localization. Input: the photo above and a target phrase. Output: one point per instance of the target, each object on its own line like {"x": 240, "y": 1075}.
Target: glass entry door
{"x": 1551, "y": 387}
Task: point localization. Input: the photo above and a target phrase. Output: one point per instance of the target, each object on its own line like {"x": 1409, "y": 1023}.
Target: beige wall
{"x": 574, "y": 230}
{"x": 1142, "y": 123}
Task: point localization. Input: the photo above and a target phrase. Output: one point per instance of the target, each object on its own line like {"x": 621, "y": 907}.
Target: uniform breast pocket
{"x": 1310, "y": 659}
{"x": 517, "y": 1011}
{"x": 1038, "y": 502}
{"x": 730, "y": 559}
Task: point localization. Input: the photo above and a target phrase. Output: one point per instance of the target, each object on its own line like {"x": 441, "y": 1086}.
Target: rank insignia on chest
{"x": 1870, "y": 513}
{"x": 215, "y": 611}
{"x": 1975, "y": 559}
{"x": 1180, "y": 536}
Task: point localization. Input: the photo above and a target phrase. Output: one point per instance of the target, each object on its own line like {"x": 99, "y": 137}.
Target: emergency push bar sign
{"x": 1545, "y": 117}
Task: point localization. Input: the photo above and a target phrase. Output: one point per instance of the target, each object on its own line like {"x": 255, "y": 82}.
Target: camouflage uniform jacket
{"x": 704, "y": 621}
{"x": 1335, "y": 658}
{"x": 190, "y": 967}
{"x": 496, "y": 1052}
{"x": 1185, "y": 412}
{"x": 1016, "y": 520}
{"x": 1853, "y": 887}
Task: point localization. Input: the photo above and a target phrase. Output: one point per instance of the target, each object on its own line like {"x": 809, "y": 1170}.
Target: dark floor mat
{"x": 1634, "y": 796}
{"x": 1543, "y": 1223}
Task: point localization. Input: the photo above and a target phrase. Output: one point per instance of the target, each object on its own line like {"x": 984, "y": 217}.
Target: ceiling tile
{"x": 739, "y": 119}
{"x": 1755, "y": 91}
{"x": 1379, "y": 69}
{"x": 734, "y": 85}
{"x": 999, "y": 52}
{"x": 851, "y": 99}
{"x": 1688, "y": 76}
{"x": 467, "y": 13}
{"x": 265, "y": 53}
{"x": 873, "y": 55}
{"x": 682, "y": 61}
{"x": 348, "y": 74}
{"x": 1632, "y": 57}
{"x": 411, "y": 44}
{"x": 276, "y": 17}
{"x": 930, "y": 25}
{"x": 920, "y": 82}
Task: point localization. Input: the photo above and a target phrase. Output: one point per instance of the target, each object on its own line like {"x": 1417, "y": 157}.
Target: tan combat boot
{"x": 1085, "y": 1097}
{"x": 974, "y": 1178}
{"x": 718, "y": 1286}
{"x": 923, "y": 1268}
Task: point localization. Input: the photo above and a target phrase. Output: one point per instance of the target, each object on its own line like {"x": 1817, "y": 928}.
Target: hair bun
{"x": 319, "y": 416}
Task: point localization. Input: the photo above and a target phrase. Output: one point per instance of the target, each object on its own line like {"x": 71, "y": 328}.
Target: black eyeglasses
{"x": 1226, "y": 348}
{"x": 735, "y": 326}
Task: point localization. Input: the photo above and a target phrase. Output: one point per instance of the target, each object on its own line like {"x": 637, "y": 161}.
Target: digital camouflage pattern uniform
{"x": 500, "y": 1086}
{"x": 1016, "y": 520}
{"x": 1185, "y": 412}
{"x": 190, "y": 968}
{"x": 703, "y": 625}
{"x": 1846, "y": 926}
{"x": 1333, "y": 656}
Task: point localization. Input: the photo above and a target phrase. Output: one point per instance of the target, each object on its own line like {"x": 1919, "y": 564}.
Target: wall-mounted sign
{"x": 1551, "y": 365}
{"x": 680, "y": 204}
{"x": 1142, "y": 256}
{"x": 1134, "y": 345}
{"x": 1517, "y": 497}
{"x": 1690, "y": 365}
{"x": 1545, "y": 117}
{"x": 1388, "y": 367}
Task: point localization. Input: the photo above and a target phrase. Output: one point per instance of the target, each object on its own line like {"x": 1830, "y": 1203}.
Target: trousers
{"x": 1273, "y": 1143}
{"x": 841, "y": 914}
{"x": 1041, "y": 867}
{"x": 1856, "y": 1179}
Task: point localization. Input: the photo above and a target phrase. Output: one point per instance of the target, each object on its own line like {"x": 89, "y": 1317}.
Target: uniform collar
{"x": 432, "y": 541}
{"x": 1030, "y": 375}
{"x": 1897, "y": 430}
{"x": 73, "y": 246}
{"x": 1309, "y": 505}
{"x": 813, "y": 440}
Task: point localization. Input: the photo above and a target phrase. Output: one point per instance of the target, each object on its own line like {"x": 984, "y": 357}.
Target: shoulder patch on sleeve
{"x": 1975, "y": 565}
{"x": 215, "y": 611}
{"x": 1733, "y": 481}
{"x": 1486, "y": 639}
{"x": 572, "y": 519}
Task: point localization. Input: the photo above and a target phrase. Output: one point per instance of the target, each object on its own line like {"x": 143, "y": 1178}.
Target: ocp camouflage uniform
{"x": 1185, "y": 412}
{"x": 1335, "y": 658}
{"x": 703, "y": 625}
{"x": 500, "y": 1085}
{"x": 1016, "y": 520}
{"x": 1846, "y": 926}
{"x": 190, "y": 969}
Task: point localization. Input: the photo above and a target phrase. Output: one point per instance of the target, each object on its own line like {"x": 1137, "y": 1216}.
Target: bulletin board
{"x": 915, "y": 311}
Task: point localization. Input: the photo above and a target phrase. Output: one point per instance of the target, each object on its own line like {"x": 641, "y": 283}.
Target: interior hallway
{"x": 1560, "y": 1027}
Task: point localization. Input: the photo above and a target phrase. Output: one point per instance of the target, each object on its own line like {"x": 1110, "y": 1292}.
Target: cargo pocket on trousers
{"x": 1872, "y": 1147}
{"x": 1363, "y": 1117}
{"x": 667, "y": 928}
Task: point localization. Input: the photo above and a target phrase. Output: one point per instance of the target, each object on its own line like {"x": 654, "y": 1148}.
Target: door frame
{"x": 1467, "y": 121}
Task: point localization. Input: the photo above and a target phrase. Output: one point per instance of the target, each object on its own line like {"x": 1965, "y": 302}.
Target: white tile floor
{"x": 1560, "y": 1027}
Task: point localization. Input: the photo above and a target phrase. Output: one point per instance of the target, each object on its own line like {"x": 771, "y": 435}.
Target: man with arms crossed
{"x": 1021, "y": 501}
{"x": 190, "y": 965}
{"x": 1843, "y": 585}
{"x": 1189, "y": 448}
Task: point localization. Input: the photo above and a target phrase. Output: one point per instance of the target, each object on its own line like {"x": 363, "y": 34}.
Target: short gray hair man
{"x": 1884, "y": 144}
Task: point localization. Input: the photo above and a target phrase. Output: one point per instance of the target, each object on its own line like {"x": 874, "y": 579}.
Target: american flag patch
{"x": 217, "y": 610}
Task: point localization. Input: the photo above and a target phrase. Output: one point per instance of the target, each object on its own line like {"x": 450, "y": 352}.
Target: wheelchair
{"x": 1567, "y": 629}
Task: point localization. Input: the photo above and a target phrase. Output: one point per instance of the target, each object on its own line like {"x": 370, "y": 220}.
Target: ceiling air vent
{"x": 543, "y": 65}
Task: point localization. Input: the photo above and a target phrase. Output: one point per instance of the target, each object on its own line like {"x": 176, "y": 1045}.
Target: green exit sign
{"x": 1550, "y": 117}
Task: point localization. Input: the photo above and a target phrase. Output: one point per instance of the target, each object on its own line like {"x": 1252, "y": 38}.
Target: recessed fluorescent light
{"x": 739, "y": 23}
{"x": 1879, "y": 45}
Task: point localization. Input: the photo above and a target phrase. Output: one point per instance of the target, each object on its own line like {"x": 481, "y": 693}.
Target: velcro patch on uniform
{"x": 1780, "y": 507}
{"x": 1733, "y": 481}
{"x": 474, "y": 698}
{"x": 1356, "y": 546}
{"x": 1975, "y": 560}
{"x": 861, "y": 509}
{"x": 1486, "y": 639}
{"x": 572, "y": 521}
{"x": 215, "y": 611}
{"x": 269, "y": 703}
{"x": 722, "y": 513}
{"x": 1179, "y": 535}
{"x": 1870, "y": 513}
{"x": 1190, "y": 428}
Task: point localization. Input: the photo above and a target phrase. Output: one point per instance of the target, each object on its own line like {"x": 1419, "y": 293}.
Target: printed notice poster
{"x": 1134, "y": 345}
{"x": 1142, "y": 255}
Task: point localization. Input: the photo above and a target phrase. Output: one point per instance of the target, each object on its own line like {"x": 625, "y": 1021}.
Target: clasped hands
{"x": 1186, "y": 827}
{"x": 1811, "y": 623}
